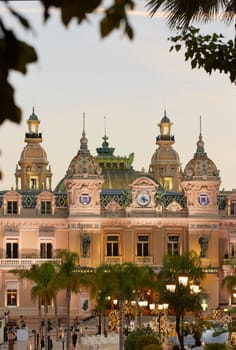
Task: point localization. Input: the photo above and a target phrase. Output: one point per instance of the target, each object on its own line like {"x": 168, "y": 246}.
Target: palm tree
{"x": 119, "y": 281}
{"x": 69, "y": 279}
{"x": 99, "y": 290}
{"x": 182, "y": 13}
{"x": 229, "y": 281}
{"x": 143, "y": 279}
{"x": 181, "y": 298}
{"x": 43, "y": 290}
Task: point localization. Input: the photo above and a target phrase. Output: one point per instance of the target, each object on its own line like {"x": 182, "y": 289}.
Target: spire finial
{"x": 33, "y": 109}
{"x": 105, "y": 126}
{"x": 200, "y": 144}
{"x": 83, "y": 140}
{"x": 83, "y": 122}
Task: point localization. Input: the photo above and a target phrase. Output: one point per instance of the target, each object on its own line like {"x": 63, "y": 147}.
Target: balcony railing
{"x": 113, "y": 259}
{"x": 139, "y": 260}
{"x": 23, "y": 262}
{"x": 165, "y": 138}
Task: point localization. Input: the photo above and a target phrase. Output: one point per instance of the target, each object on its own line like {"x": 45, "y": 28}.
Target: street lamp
{"x": 141, "y": 304}
{"x": 181, "y": 290}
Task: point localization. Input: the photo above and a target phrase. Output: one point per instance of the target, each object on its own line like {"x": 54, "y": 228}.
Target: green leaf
{"x": 15, "y": 54}
{"x": 106, "y": 26}
{"x": 23, "y": 21}
{"x": 71, "y": 9}
{"x": 8, "y": 109}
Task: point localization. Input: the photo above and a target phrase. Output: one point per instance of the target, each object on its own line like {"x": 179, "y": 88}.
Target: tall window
{"x": 46, "y": 250}
{"x": 11, "y": 297}
{"x": 112, "y": 245}
{"x": 232, "y": 248}
{"x": 233, "y": 208}
{"x": 12, "y": 207}
{"x": 173, "y": 245}
{"x": 143, "y": 245}
{"x": 33, "y": 182}
{"x": 12, "y": 250}
{"x": 168, "y": 185}
{"x": 46, "y": 207}
{"x": 11, "y": 293}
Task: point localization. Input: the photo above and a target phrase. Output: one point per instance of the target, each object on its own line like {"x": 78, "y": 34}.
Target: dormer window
{"x": 46, "y": 203}
{"x": 11, "y": 207}
{"x": 11, "y": 203}
{"x": 46, "y": 207}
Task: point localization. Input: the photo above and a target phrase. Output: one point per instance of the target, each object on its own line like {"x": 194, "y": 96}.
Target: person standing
{"x": 42, "y": 343}
{"x": 74, "y": 340}
{"x": 11, "y": 338}
{"x": 50, "y": 345}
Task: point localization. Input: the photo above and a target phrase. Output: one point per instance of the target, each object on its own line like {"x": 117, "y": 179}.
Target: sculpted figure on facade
{"x": 203, "y": 242}
{"x": 85, "y": 243}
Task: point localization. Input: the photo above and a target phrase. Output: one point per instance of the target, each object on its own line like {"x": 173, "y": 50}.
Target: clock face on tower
{"x": 143, "y": 198}
{"x": 84, "y": 199}
{"x": 203, "y": 199}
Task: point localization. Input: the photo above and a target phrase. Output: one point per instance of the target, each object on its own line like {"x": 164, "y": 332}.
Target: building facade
{"x": 110, "y": 213}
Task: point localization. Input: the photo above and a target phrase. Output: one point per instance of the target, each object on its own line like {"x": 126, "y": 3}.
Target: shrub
{"x": 131, "y": 340}
{"x": 138, "y": 339}
{"x": 145, "y": 340}
{"x": 216, "y": 346}
{"x": 152, "y": 347}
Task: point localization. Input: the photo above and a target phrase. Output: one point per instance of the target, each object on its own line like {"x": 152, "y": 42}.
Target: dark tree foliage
{"x": 209, "y": 52}
{"x": 16, "y": 55}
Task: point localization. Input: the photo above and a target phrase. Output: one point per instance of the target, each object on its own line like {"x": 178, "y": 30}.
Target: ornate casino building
{"x": 110, "y": 213}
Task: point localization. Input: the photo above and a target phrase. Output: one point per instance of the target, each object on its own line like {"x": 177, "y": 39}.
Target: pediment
{"x": 113, "y": 206}
{"x": 174, "y": 207}
{"x": 12, "y": 195}
{"x": 143, "y": 181}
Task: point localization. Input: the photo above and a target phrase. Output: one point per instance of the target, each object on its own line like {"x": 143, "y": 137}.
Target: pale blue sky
{"x": 129, "y": 82}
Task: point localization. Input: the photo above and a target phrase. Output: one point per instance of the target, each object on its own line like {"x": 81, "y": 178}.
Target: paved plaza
{"x": 22, "y": 345}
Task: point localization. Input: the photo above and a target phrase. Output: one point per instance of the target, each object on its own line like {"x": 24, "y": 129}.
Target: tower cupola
{"x": 165, "y": 137}
{"x": 165, "y": 163}
{"x": 201, "y": 182}
{"x": 33, "y": 172}
{"x": 83, "y": 181}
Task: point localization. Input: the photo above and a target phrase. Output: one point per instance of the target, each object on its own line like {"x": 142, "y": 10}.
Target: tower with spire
{"x": 201, "y": 182}
{"x": 33, "y": 172}
{"x": 165, "y": 163}
{"x": 83, "y": 181}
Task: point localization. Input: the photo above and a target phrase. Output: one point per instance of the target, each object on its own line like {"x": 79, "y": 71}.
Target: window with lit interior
{"x": 11, "y": 293}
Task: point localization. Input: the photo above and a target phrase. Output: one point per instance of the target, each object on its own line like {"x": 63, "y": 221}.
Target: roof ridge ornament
{"x": 200, "y": 144}
{"x": 83, "y": 141}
